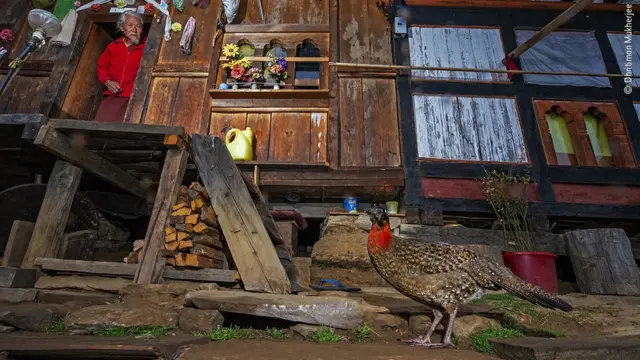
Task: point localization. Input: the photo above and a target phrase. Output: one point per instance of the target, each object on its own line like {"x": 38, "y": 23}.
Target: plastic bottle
{"x": 240, "y": 144}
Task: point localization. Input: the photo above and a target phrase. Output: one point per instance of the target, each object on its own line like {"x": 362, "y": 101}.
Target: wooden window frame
{"x": 573, "y": 113}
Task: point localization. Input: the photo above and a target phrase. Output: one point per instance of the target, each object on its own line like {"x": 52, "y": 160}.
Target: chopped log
{"x": 185, "y": 227}
{"x": 200, "y": 261}
{"x": 183, "y": 194}
{"x": 192, "y": 219}
{"x": 169, "y": 230}
{"x": 179, "y": 206}
{"x": 171, "y": 238}
{"x": 208, "y": 216}
{"x": 248, "y": 240}
{"x": 169, "y": 253}
{"x": 193, "y": 194}
{"x": 185, "y": 245}
{"x": 199, "y": 188}
{"x": 211, "y": 240}
{"x": 17, "y": 243}
{"x": 172, "y": 245}
{"x": 202, "y": 228}
{"x": 171, "y": 261}
{"x": 207, "y": 252}
{"x": 181, "y": 259}
{"x": 197, "y": 204}
{"x": 54, "y": 213}
{"x": 138, "y": 244}
{"x": 603, "y": 262}
{"x": 175, "y": 220}
{"x": 182, "y": 235}
{"x": 132, "y": 258}
{"x": 182, "y": 212}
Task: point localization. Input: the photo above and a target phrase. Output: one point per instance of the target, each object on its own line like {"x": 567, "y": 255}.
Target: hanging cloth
{"x": 187, "y": 36}
{"x": 179, "y": 4}
{"x": 230, "y": 9}
{"x": 68, "y": 27}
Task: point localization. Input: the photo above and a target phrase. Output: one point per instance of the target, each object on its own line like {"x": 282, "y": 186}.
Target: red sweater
{"x": 120, "y": 64}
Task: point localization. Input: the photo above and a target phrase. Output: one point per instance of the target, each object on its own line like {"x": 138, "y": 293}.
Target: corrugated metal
{"x": 457, "y": 47}
{"x": 563, "y": 51}
{"x": 468, "y": 128}
{"x": 620, "y": 49}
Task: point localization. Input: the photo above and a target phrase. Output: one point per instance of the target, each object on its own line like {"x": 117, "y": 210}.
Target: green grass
{"x": 480, "y": 341}
{"x": 363, "y": 334}
{"x": 325, "y": 335}
{"x": 151, "y": 331}
{"x": 276, "y": 334}
{"x": 511, "y": 304}
{"x": 56, "y": 327}
{"x": 227, "y": 333}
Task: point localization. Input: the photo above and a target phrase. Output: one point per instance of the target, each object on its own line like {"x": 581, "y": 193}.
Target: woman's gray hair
{"x": 123, "y": 17}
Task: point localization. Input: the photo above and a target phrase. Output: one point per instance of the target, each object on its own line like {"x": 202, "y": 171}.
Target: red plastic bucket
{"x": 538, "y": 268}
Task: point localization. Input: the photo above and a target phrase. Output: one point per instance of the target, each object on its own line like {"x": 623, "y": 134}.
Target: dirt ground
{"x": 277, "y": 350}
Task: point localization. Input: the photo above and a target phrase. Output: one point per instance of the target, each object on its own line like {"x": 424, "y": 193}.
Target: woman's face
{"x": 132, "y": 30}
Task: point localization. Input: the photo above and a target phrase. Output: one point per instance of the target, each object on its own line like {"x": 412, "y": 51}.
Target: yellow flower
{"x": 244, "y": 62}
{"x": 230, "y": 50}
{"x": 177, "y": 27}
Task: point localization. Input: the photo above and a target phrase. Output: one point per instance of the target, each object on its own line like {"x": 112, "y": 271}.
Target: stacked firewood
{"x": 193, "y": 237}
{"x": 134, "y": 256}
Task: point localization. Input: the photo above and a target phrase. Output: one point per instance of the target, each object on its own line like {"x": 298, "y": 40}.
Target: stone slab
{"x": 11, "y": 277}
{"x": 579, "y": 348}
{"x": 15, "y": 296}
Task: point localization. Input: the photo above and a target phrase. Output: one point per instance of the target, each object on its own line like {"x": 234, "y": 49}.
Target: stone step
{"x": 583, "y": 348}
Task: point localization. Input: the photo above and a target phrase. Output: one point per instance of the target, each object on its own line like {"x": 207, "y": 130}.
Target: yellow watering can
{"x": 240, "y": 144}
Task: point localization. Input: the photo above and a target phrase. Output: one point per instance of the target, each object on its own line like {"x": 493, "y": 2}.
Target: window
{"x": 578, "y": 133}
{"x": 458, "y": 48}
{"x": 307, "y": 73}
{"x": 468, "y": 128}
{"x": 563, "y": 51}
{"x": 627, "y": 50}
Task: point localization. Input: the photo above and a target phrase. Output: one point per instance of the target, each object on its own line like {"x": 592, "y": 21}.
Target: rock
{"x": 466, "y": 326}
{"x": 363, "y": 222}
{"x": 388, "y": 322}
{"x": 349, "y": 277}
{"x": 11, "y": 277}
{"x": 89, "y": 283}
{"x": 169, "y": 295}
{"x": 333, "y": 293}
{"x": 304, "y": 269}
{"x": 95, "y": 318}
{"x": 307, "y": 331}
{"x": 419, "y": 324}
{"x": 196, "y": 320}
{"x": 340, "y": 224}
{"x": 341, "y": 313}
{"x": 6, "y": 329}
{"x": 208, "y": 286}
{"x": 78, "y": 298}
{"x": 344, "y": 250}
{"x": 30, "y": 316}
{"x": 15, "y": 296}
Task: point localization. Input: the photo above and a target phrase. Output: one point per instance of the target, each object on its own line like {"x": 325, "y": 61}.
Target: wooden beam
{"x": 117, "y": 130}
{"x": 104, "y": 268}
{"x": 54, "y": 212}
{"x": 549, "y": 28}
{"x": 247, "y": 238}
{"x": 514, "y": 4}
{"x": 152, "y": 262}
{"x": 282, "y": 28}
{"x": 62, "y": 146}
{"x": 17, "y": 243}
{"x": 333, "y": 116}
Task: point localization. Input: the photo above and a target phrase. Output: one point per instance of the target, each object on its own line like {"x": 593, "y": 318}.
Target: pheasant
{"x": 443, "y": 276}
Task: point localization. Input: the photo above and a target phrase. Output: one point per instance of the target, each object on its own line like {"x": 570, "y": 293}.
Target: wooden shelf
{"x": 279, "y": 28}
{"x": 288, "y": 58}
{"x": 270, "y": 94}
{"x": 283, "y": 164}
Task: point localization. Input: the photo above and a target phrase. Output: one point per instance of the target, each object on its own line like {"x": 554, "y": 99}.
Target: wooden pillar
{"x": 151, "y": 263}
{"x": 54, "y": 212}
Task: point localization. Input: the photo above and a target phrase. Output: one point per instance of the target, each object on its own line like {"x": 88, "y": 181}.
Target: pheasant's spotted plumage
{"x": 441, "y": 275}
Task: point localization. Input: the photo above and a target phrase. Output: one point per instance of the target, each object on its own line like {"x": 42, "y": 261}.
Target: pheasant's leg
{"x": 425, "y": 340}
{"x": 447, "y": 334}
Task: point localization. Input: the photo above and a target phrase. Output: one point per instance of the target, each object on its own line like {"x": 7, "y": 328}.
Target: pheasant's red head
{"x": 380, "y": 237}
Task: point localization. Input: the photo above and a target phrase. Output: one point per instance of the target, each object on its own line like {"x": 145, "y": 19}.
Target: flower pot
{"x": 276, "y": 86}
{"x": 235, "y": 86}
{"x": 538, "y": 268}
{"x": 254, "y": 86}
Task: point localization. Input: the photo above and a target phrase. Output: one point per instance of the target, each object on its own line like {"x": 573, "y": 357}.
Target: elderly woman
{"x": 118, "y": 66}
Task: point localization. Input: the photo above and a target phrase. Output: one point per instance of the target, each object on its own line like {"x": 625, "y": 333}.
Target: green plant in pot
{"x": 508, "y": 195}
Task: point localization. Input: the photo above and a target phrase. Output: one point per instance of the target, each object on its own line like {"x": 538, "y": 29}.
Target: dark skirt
{"x": 112, "y": 109}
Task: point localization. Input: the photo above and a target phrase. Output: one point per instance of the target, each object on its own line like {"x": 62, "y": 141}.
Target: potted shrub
{"x": 508, "y": 196}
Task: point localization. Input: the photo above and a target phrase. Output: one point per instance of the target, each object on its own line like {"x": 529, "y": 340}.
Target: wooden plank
{"x": 379, "y": 35}
{"x": 247, "y": 238}
{"x": 381, "y": 127}
{"x": 289, "y": 93}
{"x": 151, "y": 263}
{"x": 515, "y": 4}
{"x": 354, "y": 31}
{"x": 62, "y": 146}
{"x": 284, "y": 28}
{"x": 318, "y": 142}
{"x": 261, "y": 126}
{"x": 104, "y": 268}
{"x": 267, "y": 102}
{"x": 603, "y": 262}
{"x": 333, "y": 115}
{"x": 162, "y": 96}
{"x": 17, "y": 243}
{"x": 214, "y": 68}
{"x": 54, "y": 212}
{"x": 263, "y": 210}
{"x": 221, "y": 123}
{"x": 137, "y": 101}
{"x": 116, "y": 130}
{"x": 550, "y": 27}
{"x": 295, "y": 11}
{"x": 352, "y": 142}
{"x": 189, "y": 99}
{"x": 290, "y": 137}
